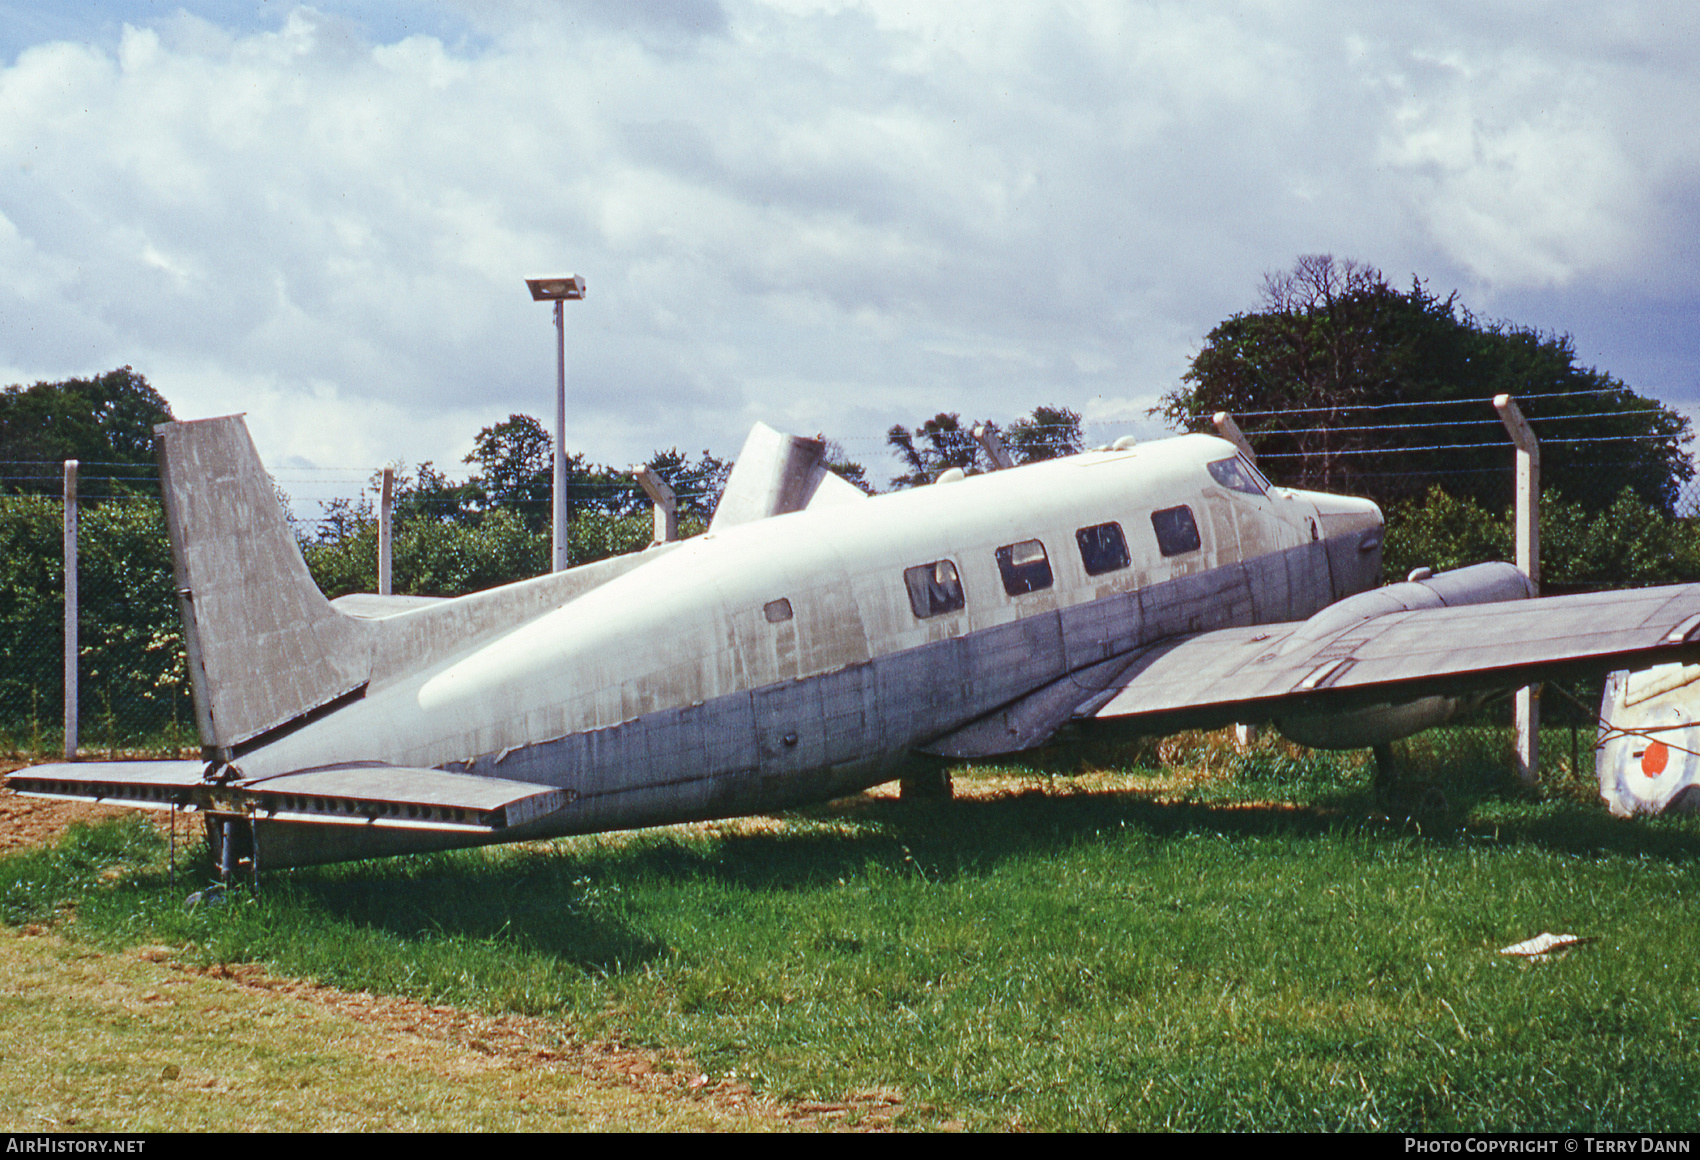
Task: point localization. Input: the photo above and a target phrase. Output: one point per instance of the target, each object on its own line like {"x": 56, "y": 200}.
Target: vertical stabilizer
{"x": 265, "y": 646}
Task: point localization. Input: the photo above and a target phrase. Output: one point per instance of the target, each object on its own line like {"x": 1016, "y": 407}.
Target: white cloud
{"x": 831, "y": 215}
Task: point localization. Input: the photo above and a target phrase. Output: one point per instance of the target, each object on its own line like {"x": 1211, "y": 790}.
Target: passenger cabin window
{"x": 1237, "y": 475}
{"x": 1177, "y": 531}
{"x": 934, "y": 588}
{"x": 777, "y": 611}
{"x": 1025, "y": 567}
{"x": 1103, "y": 548}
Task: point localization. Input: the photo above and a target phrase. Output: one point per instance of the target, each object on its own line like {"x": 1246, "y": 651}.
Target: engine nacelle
{"x": 1371, "y": 726}
{"x": 1380, "y": 724}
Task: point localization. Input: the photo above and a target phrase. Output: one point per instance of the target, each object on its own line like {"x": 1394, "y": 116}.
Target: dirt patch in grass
{"x": 124, "y": 1042}
{"x": 33, "y": 821}
{"x": 415, "y": 1035}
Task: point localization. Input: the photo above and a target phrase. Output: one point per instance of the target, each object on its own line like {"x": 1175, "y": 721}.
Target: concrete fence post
{"x": 666, "y": 503}
{"x": 1230, "y": 430}
{"x": 386, "y": 510}
{"x": 70, "y": 610}
{"x": 988, "y": 439}
{"x": 1526, "y": 705}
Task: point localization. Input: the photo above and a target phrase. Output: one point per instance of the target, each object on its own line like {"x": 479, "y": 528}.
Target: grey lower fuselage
{"x": 671, "y": 693}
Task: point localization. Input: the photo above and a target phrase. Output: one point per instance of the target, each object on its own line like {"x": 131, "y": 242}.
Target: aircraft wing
{"x": 1254, "y": 673}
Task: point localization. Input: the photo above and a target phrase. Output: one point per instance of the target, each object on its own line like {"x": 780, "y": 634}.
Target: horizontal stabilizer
{"x": 363, "y": 794}
{"x": 153, "y": 784}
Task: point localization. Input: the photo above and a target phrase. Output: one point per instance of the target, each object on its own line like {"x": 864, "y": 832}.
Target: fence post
{"x": 70, "y": 610}
{"x": 1230, "y": 430}
{"x": 988, "y": 438}
{"x": 666, "y": 504}
{"x": 1526, "y": 706}
{"x": 386, "y": 508}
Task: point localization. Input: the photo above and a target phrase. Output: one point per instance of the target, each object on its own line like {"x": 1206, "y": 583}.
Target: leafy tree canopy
{"x": 1334, "y": 338}
{"x": 1048, "y": 433}
{"x": 107, "y": 420}
{"x": 944, "y": 442}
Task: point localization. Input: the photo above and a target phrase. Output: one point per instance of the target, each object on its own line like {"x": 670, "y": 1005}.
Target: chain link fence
{"x": 134, "y": 696}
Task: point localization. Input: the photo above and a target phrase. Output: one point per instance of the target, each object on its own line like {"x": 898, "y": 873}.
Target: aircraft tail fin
{"x": 265, "y": 647}
{"x": 775, "y": 474}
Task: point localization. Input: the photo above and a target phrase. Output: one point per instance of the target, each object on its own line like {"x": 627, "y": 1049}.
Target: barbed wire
{"x": 1420, "y": 403}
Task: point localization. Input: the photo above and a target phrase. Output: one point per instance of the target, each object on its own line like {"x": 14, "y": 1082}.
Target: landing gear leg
{"x": 1386, "y": 777}
{"x": 232, "y": 845}
{"x": 227, "y": 851}
{"x": 1421, "y": 802}
{"x": 925, "y": 779}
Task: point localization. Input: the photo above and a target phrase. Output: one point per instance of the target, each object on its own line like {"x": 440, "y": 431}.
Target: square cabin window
{"x": 1103, "y": 548}
{"x": 1024, "y": 566}
{"x": 1177, "y": 531}
{"x": 934, "y": 588}
{"x": 777, "y": 611}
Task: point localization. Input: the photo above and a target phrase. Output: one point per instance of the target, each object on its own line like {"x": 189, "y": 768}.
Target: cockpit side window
{"x": 1236, "y": 474}
{"x": 934, "y": 588}
{"x": 1024, "y": 566}
{"x": 1103, "y": 548}
{"x": 1177, "y": 531}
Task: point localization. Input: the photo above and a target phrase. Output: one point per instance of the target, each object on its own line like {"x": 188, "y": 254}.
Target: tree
{"x": 428, "y": 494}
{"x": 517, "y": 464}
{"x": 451, "y": 538}
{"x": 1333, "y": 339}
{"x": 698, "y": 485}
{"x": 106, "y": 421}
{"x": 1626, "y": 543}
{"x": 1049, "y": 433}
{"x": 944, "y": 443}
{"x": 518, "y": 469}
{"x": 838, "y": 461}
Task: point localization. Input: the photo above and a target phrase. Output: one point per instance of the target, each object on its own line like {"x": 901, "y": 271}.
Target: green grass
{"x": 1257, "y": 949}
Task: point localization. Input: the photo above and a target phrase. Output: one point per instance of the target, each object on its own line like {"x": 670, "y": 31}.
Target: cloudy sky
{"x": 829, "y": 216}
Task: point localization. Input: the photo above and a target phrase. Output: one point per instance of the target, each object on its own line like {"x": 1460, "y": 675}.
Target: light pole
{"x": 565, "y": 288}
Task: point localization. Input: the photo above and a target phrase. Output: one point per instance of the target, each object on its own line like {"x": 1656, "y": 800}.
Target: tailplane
{"x": 265, "y": 647}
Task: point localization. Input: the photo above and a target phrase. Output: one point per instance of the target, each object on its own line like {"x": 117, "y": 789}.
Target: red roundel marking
{"x": 1653, "y": 761}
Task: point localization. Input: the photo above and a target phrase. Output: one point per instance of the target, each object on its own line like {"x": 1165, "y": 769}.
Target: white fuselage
{"x": 690, "y": 645}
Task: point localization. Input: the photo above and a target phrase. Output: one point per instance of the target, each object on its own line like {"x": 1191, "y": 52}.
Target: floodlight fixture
{"x": 567, "y": 287}
{"x": 558, "y": 289}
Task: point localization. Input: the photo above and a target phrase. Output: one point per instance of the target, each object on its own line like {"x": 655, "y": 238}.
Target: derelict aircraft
{"x": 808, "y": 643}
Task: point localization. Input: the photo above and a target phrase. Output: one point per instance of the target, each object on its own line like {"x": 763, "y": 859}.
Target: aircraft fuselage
{"x": 803, "y": 656}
